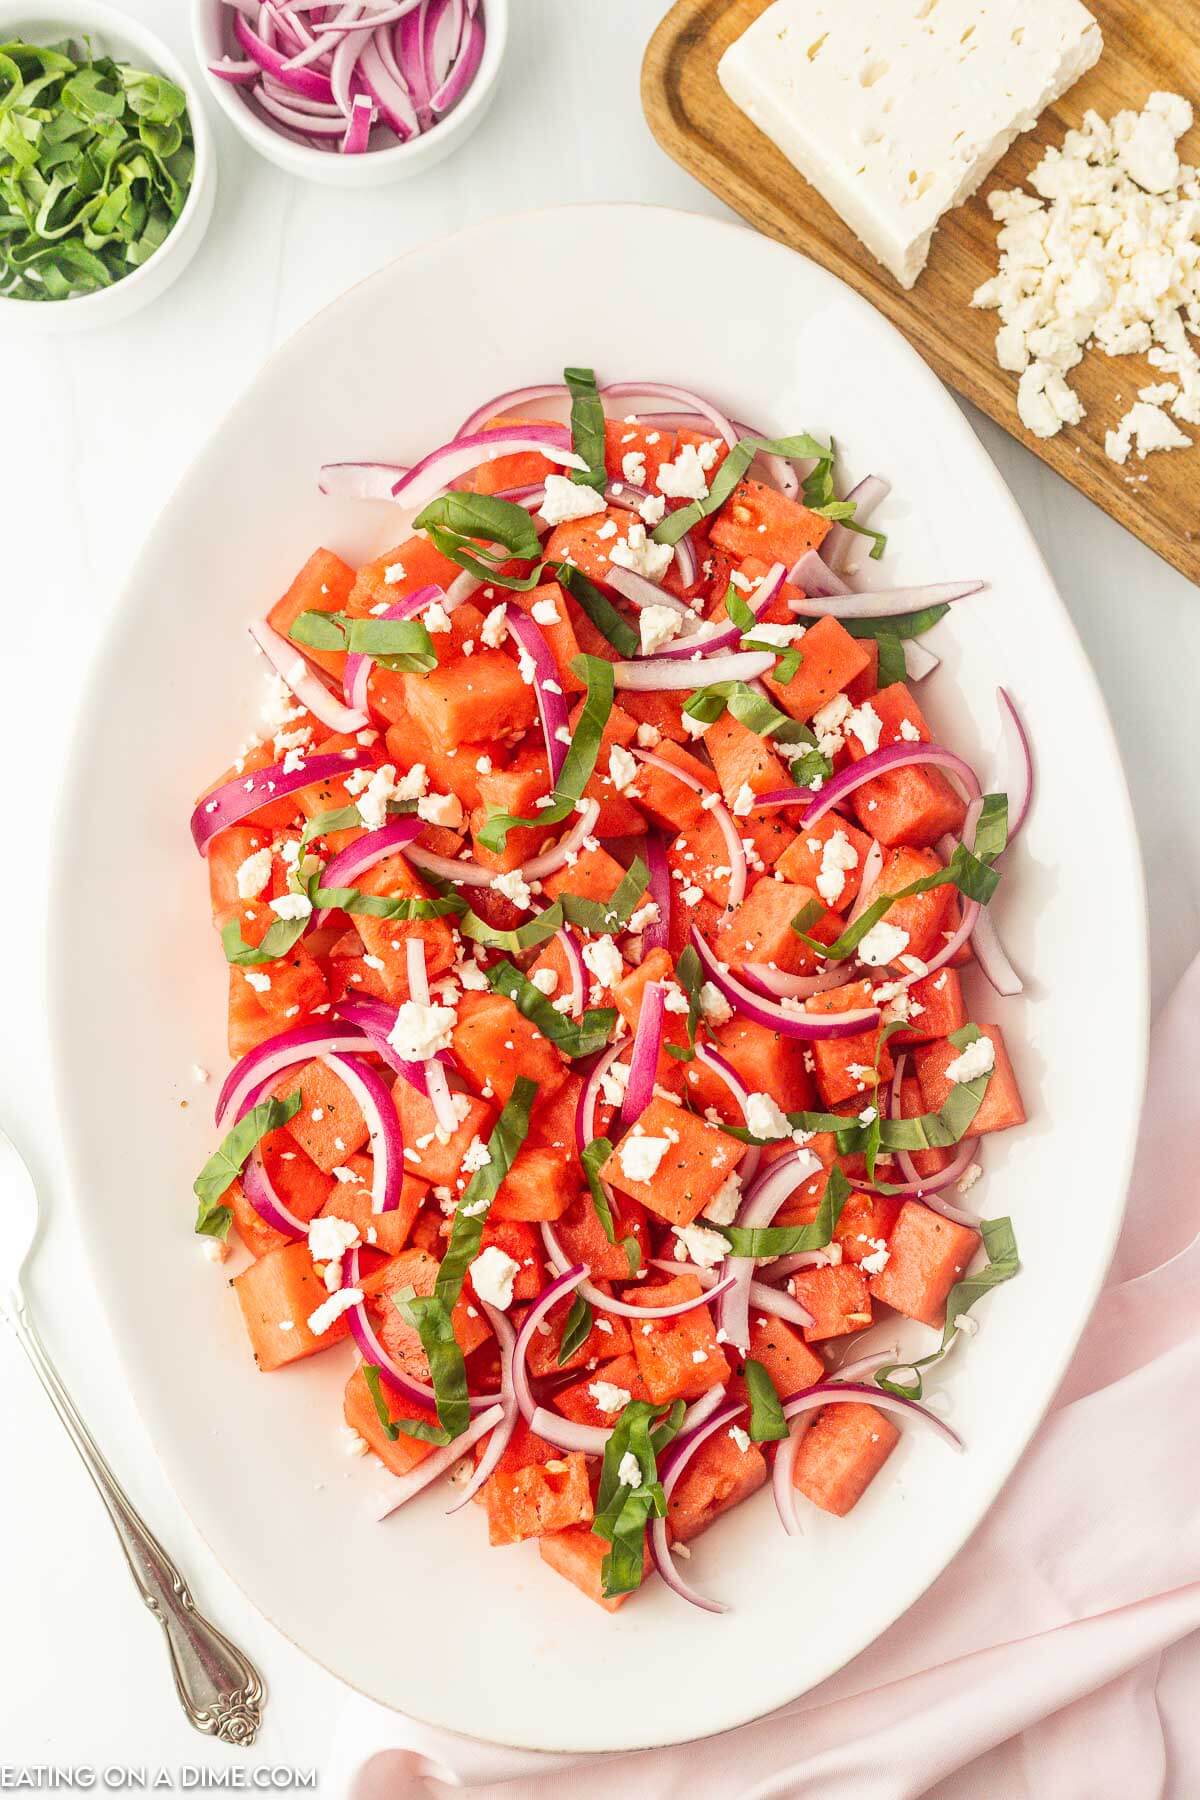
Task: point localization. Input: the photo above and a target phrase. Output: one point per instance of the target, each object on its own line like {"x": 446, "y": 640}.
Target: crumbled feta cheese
{"x": 566, "y": 499}
{"x": 882, "y": 944}
{"x": 372, "y": 789}
{"x": 544, "y": 980}
{"x": 764, "y": 1118}
{"x": 633, "y": 467}
{"x": 879, "y": 1257}
{"x": 838, "y": 855}
{"x": 968, "y": 1178}
{"x": 477, "y": 1156}
{"x": 977, "y": 1059}
{"x": 866, "y": 725}
{"x": 441, "y": 809}
{"x": 638, "y": 552}
{"x": 910, "y": 732}
{"x": 604, "y": 961}
{"x": 723, "y": 1207}
{"x": 494, "y": 629}
{"x": 714, "y": 1007}
{"x": 699, "y": 1245}
{"x": 393, "y": 573}
{"x": 648, "y": 735}
{"x": 513, "y": 885}
{"x": 329, "y": 1238}
{"x": 651, "y": 509}
{"x": 622, "y": 768}
{"x": 331, "y": 1310}
{"x": 608, "y": 1396}
{"x": 743, "y": 801}
{"x": 253, "y": 875}
{"x": 658, "y": 625}
{"x": 291, "y": 906}
{"x": 545, "y": 612}
{"x": 629, "y": 1471}
{"x": 420, "y": 1031}
{"x": 645, "y": 915}
{"x": 639, "y": 1156}
{"x": 965, "y": 1323}
{"x": 684, "y": 478}
{"x": 740, "y": 1437}
{"x": 492, "y": 1275}
{"x": 257, "y": 980}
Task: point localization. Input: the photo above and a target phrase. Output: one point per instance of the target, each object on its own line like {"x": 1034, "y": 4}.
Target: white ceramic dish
{"x": 419, "y": 1612}
{"x": 114, "y": 33}
{"x": 377, "y": 167}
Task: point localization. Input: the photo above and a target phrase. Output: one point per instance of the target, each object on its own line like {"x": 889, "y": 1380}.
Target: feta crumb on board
{"x": 1107, "y": 256}
{"x": 897, "y": 110}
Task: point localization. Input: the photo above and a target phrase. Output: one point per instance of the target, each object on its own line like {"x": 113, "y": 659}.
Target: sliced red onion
{"x": 783, "y": 1477}
{"x": 927, "y": 1190}
{"x": 624, "y": 1309}
{"x": 673, "y": 1462}
{"x": 512, "y": 401}
{"x": 358, "y": 131}
{"x": 706, "y": 640}
{"x": 556, "y": 1290}
{"x": 585, "y": 1111}
{"x": 552, "y": 707}
{"x": 652, "y": 674}
{"x": 406, "y": 1487}
{"x": 659, "y": 390}
{"x": 360, "y": 480}
{"x": 813, "y": 576}
{"x": 761, "y": 1203}
{"x": 464, "y": 69}
{"x": 1019, "y": 785}
{"x": 794, "y": 987}
{"x": 308, "y": 687}
{"x": 364, "y": 853}
{"x": 376, "y": 1019}
{"x": 764, "y": 1296}
{"x": 372, "y": 1350}
{"x": 301, "y": 1044}
{"x": 725, "y": 1071}
{"x": 787, "y": 1019}
{"x": 373, "y": 1099}
{"x": 390, "y": 16}
{"x": 641, "y": 592}
{"x": 408, "y": 40}
{"x": 300, "y": 81}
{"x": 307, "y": 125}
{"x": 435, "y": 1075}
{"x": 573, "y": 953}
{"x": 865, "y": 1365}
{"x": 833, "y": 1392}
{"x": 356, "y": 672}
{"x": 784, "y": 1266}
{"x": 246, "y": 793}
{"x": 260, "y": 1191}
{"x": 884, "y": 603}
{"x": 704, "y": 1407}
{"x": 473, "y": 874}
{"x": 240, "y": 74}
{"x": 712, "y": 803}
{"x": 565, "y": 1434}
{"x": 919, "y": 661}
{"x": 879, "y": 762}
{"x": 774, "y": 798}
{"x": 643, "y": 1060}
{"x": 657, "y": 934}
{"x": 506, "y": 1337}
{"x": 869, "y": 493}
{"x": 397, "y": 111}
{"x": 435, "y": 472}
{"x": 868, "y": 880}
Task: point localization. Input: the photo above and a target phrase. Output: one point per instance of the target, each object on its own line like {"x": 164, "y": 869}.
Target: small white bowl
{"x": 210, "y": 34}
{"x": 115, "y": 34}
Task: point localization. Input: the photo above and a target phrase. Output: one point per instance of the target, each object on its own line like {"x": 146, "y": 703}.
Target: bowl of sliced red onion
{"x": 357, "y": 93}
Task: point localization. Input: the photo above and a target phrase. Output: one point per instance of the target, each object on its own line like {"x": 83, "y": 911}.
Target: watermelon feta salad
{"x": 608, "y": 955}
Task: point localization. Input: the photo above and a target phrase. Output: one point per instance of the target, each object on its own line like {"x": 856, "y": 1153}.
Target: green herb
{"x": 587, "y": 427}
{"x": 574, "y": 1037}
{"x": 577, "y": 1329}
{"x": 622, "y": 1511}
{"x": 229, "y": 1159}
{"x": 758, "y": 714}
{"x": 414, "y": 1428}
{"x": 598, "y": 607}
{"x": 431, "y": 1315}
{"x": 473, "y": 530}
{"x": 901, "y": 625}
{"x": 277, "y": 940}
{"x": 892, "y": 666}
{"x": 402, "y": 645}
{"x": 767, "y": 1422}
{"x": 604, "y": 917}
{"x": 929, "y": 1131}
{"x": 96, "y": 161}
{"x": 689, "y": 973}
{"x": 788, "y": 658}
{"x": 785, "y": 1240}
{"x": 999, "y": 1240}
{"x": 730, "y": 473}
{"x": 593, "y": 1158}
{"x": 579, "y": 761}
{"x": 968, "y": 871}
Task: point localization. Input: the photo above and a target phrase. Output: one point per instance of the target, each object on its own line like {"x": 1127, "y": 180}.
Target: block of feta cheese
{"x": 896, "y": 110}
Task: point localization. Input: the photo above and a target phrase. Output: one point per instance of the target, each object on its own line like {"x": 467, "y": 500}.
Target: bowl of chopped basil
{"x": 107, "y": 168}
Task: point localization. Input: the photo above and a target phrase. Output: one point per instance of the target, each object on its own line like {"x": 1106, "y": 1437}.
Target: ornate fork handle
{"x": 219, "y": 1688}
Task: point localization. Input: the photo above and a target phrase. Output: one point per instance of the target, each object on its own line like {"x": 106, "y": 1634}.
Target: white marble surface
{"x": 96, "y": 430}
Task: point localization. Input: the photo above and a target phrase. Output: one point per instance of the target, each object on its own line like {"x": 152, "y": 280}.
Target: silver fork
{"x": 219, "y": 1688}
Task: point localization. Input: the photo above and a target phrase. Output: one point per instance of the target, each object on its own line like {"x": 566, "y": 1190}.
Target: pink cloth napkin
{"x": 1041, "y": 1663}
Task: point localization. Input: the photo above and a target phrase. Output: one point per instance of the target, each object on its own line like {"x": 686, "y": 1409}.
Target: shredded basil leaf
{"x": 278, "y": 939}
{"x": 731, "y": 471}
{"x": 466, "y": 527}
{"x": 758, "y": 714}
{"x": 1000, "y": 1242}
{"x": 603, "y": 918}
{"x": 689, "y": 973}
{"x": 574, "y": 1037}
{"x": 402, "y": 645}
{"x": 229, "y": 1159}
{"x": 598, "y": 608}
{"x": 577, "y": 1329}
{"x": 593, "y": 1157}
{"x": 414, "y": 1428}
{"x": 96, "y": 161}
{"x": 767, "y": 1423}
{"x": 901, "y": 625}
{"x": 784, "y": 1240}
{"x": 587, "y": 428}
{"x": 430, "y": 1317}
{"x": 580, "y": 759}
{"x": 892, "y": 666}
{"x": 623, "y": 1511}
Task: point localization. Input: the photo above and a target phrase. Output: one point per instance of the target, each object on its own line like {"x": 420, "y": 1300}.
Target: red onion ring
{"x": 552, "y": 708}
{"x": 879, "y": 762}
{"x": 624, "y": 1309}
{"x": 725, "y": 1071}
{"x": 1019, "y": 785}
{"x": 372, "y": 1350}
{"x": 384, "y": 1135}
{"x": 764, "y": 1298}
{"x": 641, "y": 592}
{"x": 398, "y": 113}
{"x": 585, "y": 1110}
{"x": 260, "y": 1191}
{"x": 673, "y": 1462}
{"x": 358, "y": 131}
{"x": 302, "y": 1043}
{"x": 713, "y": 803}
{"x": 643, "y": 1060}
{"x": 654, "y": 674}
{"x": 308, "y": 687}
{"x": 705, "y": 641}
{"x": 813, "y": 576}
{"x": 556, "y": 1290}
{"x": 884, "y": 603}
{"x": 435, "y": 1075}
{"x": 657, "y": 934}
{"x": 364, "y": 853}
{"x": 438, "y": 1461}
{"x": 235, "y": 799}
{"x": 779, "y": 1181}
{"x": 463, "y": 70}
{"x": 794, "y": 987}
{"x": 434, "y": 472}
{"x": 869, "y": 493}
{"x": 506, "y": 1337}
{"x": 660, "y": 390}
{"x": 510, "y": 401}
{"x": 357, "y": 670}
{"x": 777, "y": 1017}
{"x": 473, "y": 874}
{"x": 300, "y": 81}
{"x": 375, "y": 1019}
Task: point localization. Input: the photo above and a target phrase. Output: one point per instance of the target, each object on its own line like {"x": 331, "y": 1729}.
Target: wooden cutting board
{"x": 1152, "y": 45}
